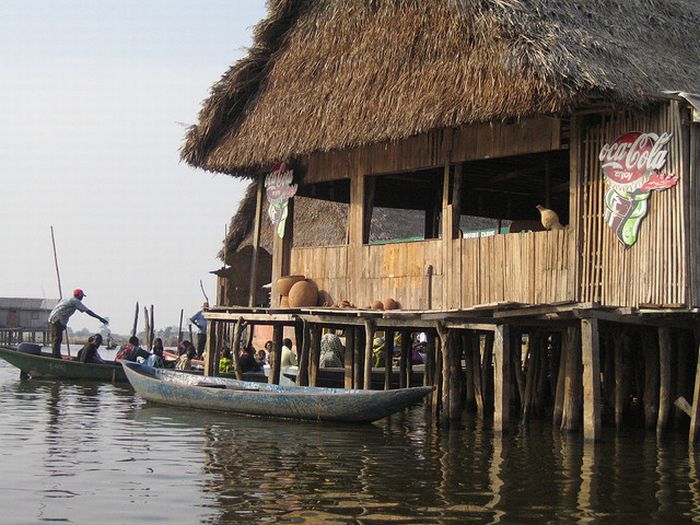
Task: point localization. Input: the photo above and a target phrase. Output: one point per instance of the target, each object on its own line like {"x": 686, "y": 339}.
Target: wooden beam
{"x": 501, "y": 378}
{"x": 590, "y": 348}
{"x": 253, "y": 282}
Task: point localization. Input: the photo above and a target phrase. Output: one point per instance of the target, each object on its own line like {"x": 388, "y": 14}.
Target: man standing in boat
{"x": 58, "y": 319}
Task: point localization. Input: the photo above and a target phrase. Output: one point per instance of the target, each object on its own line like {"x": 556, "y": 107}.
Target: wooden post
{"x": 437, "y": 378}
{"x": 446, "y": 359}
{"x": 253, "y": 282}
{"x": 561, "y": 379}
{"x": 235, "y": 346}
{"x": 210, "y": 350}
{"x": 388, "y": 357}
{"x": 694, "y": 432}
{"x": 314, "y": 355}
{"x": 152, "y": 330}
{"x": 501, "y": 378}
{"x": 664, "y": 379}
{"x": 358, "y": 358}
{"x": 282, "y": 253}
{"x": 533, "y": 363}
{"x": 456, "y": 375}
{"x": 681, "y": 382}
{"x": 592, "y": 428}
{"x": 134, "y": 328}
{"x": 348, "y": 356}
{"x": 304, "y": 357}
{"x": 369, "y": 338}
{"x": 476, "y": 371}
{"x": 573, "y": 388}
{"x": 487, "y": 372}
{"x": 429, "y": 361}
{"x": 179, "y": 326}
{"x": 276, "y": 357}
{"x": 403, "y": 358}
{"x": 650, "y": 351}
{"x": 468, "y": 351}
{"x": 146, "y": 322}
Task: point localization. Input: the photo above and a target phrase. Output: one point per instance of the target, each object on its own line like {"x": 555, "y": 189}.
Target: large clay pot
{"x": 284, "y": 301}
{"x": 303, "y": 293}
{"x": 390, "y": 304}
{"x": 377, "y": 305}
{"x": 284, "y": 284}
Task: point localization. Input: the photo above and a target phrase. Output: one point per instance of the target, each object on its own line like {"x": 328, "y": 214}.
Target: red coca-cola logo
{"x": 632, "y": 158}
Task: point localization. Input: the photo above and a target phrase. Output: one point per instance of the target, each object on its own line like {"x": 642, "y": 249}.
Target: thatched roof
{"x": 334, "y": 74}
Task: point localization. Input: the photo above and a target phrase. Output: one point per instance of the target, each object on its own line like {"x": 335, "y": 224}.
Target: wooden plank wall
{"x": 327, "y": 267}
{"x": 654, "y": 270}
{"x": 694, "y": 211}
{"x": 524, "y": 267}
{"x": 428, "y": 150}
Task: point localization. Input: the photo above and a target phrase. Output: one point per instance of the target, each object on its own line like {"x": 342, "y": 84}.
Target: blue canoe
{"x": 262, "y": 399}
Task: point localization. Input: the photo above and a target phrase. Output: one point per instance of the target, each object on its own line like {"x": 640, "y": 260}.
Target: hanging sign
{"x": 279, "y": 189}
{"x": 632, "y": 167}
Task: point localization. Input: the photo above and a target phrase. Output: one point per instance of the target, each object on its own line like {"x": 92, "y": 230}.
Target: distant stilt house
{"x": 23, "y": 317}
{"x": 468, "y": 126}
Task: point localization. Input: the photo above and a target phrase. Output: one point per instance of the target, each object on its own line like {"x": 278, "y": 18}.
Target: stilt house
{"x": 465, "y": 116}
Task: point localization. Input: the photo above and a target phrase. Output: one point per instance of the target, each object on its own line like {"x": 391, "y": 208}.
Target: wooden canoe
{"x": 46, "y": 366}
{"x": 262, "y": 399}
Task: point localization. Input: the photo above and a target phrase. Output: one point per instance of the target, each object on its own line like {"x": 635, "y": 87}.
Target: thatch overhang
{"x": 334, "y": 74}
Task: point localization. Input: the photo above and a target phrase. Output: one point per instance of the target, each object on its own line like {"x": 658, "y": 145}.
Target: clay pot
{"x": 303, "y": 293}
{"x": 284, "y": 284}
{"x": 390, "y": 304}
{"x": 324, "y": 298}
{"x": 284, "y": 301}
{"x": 377, "y": 305}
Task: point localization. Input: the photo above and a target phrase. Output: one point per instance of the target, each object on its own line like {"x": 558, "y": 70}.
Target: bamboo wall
{"x": 521, "y": 267}
{"x": 654, "y": 271}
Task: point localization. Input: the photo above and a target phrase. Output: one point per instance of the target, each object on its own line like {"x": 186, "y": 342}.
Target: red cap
{"x": 79, "y": 292}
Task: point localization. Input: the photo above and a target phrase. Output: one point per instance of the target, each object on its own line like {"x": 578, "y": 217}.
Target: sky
{"x": 94, "y": 99}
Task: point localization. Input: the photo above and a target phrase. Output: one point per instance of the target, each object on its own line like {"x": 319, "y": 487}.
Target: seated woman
{"x": 225, "y": 362}
{"x": 184, "y": 362}
{"x": 247, "y": 361}
{"x": 156, "y": 358}
{"x": 332, "y": 351}
{"x": 88, "y": 353}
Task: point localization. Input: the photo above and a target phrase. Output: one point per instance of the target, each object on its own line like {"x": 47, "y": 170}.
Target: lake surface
{"x": 97, "y": 453}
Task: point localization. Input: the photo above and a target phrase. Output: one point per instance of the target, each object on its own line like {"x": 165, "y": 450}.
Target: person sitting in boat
{"x": 88, "y": 353}
{"x": 247, "y": 361}
{"x": 58, "y": 318}
{"x": 132, "y": 351}
{"x": 261, "y": 356}
{"x": 378, "y": 354}
{"x": 225, "y": 361}
{"x": 184, "y": 362}
{"x": 332, "y": 351}
{"x": 289, "y": 358}
{"x": 156, "y": 358}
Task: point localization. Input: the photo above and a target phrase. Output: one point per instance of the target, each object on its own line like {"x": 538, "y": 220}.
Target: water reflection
{"x": 96, "y": 453}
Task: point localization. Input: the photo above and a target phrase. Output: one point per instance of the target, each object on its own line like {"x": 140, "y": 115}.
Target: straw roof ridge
{"x": 338, "y": 74}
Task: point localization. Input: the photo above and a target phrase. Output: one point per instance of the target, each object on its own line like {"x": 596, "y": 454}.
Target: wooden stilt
{"x": 561, "y": 379}
{"x": 276, "y": 355}
{"x": 620, "y": 394}
{"x": 533, "y": 364}
{"x": 359, "y": 357}
{"x": 429, "y": 361}
{"x": 304, "y": 356}
{"x": 650, "y": 352}
{"x": 389, "y": 358}
{"x": 210, "y": 349}
{"x": 681, "y": 382}
{"x": 517, "y": 355}
{"x": 487, "y": 385}
{"x": 349, "y": 354}
{"x": 501, "y": 378}
{"x": 543, "y": 383}
{"x": 369, "y": 339}
{"x": 694, "y": 432}
{"x": 437, "y": 379}
{"x": 477, "y": 375}
{"x": 573, "y": 388}
{"x": 468, "y": 351}
{"x": 664, "y": 379}
{"x": 404, "y": 357}
{"x": 590, "y": 354}
{"x": 409, "y": 360}
{"x": 314, "y": 355}
{"x": 456, "y": 374}
{"x": 235, "y": 348}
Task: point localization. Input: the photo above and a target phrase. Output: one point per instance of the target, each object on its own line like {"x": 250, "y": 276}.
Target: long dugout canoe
{"x": 45, "y": 366}
{"x": 262, "y": 399}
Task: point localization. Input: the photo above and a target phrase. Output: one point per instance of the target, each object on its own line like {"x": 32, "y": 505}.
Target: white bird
{"x": 550, "y": 219}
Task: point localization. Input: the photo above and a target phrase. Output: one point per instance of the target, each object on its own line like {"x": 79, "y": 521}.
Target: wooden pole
{"x": 276, "y": 357}
{"x": 619, "y": 382}
{"x": 179, "y": 326}
{"x": 303, "y": 375}
{"x": 357, "y": 359}
{"x": 348, "y": 356}
{"x": 404, "y": 358}
{"x": 388, "y": 358}
{"x": 573, "y": 388}
{"x": 446, "y": 348}
{"x": 561, "y": 379}
{"x": 590, "y": 341}
{"x": 210, "y": 349}
{"x": 146, "y": 321}
{"x": 694, "y": 432}
{"x": 468, "y": 351}
{"x": 650, "y": 351}
{"x": 134, "y": 327}
{"x": 455, "y": 365}
{"x": 235, "y": 348}
{"x": 152, "y": 331}
{"x": 664, "y": 379}
{"x": 314, "y": 355}
{"x": 60, "y": 288}
{"x": 253, "y": 283}
{"x": 501, "y": 378}
{"x": 369, "y": 338}
{"x": 476, "y": 371}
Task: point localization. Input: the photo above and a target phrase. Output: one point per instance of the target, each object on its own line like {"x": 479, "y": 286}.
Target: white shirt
{"x": 64, "y": 309}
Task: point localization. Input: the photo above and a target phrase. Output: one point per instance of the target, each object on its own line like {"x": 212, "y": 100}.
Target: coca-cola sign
{"x": 632, "y": 167}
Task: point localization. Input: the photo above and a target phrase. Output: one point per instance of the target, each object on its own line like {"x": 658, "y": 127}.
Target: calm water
{"x": 94, "y": 453}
